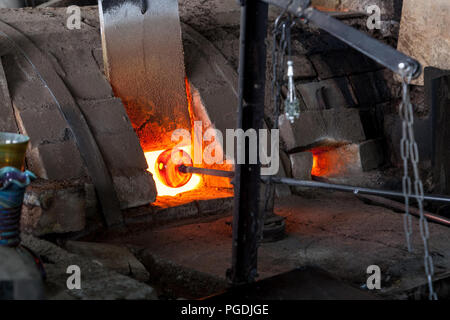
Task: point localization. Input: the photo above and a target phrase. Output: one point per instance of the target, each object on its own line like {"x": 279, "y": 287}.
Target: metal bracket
{"x": 374, "y": 49}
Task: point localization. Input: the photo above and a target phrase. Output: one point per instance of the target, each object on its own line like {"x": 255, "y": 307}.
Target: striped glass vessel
{"x": 12, "y": 189}
{"x": 13, "y": 182}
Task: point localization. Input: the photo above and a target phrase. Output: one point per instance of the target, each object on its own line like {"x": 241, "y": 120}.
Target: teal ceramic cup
{"x": 12, "y": 150}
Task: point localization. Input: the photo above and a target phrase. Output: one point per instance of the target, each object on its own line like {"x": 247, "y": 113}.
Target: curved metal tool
{"x": 144, "y": 62}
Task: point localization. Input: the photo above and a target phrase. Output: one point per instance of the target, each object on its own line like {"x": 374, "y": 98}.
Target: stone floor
{"x": 106, "y": 272}
{"x": 331, "y": 230}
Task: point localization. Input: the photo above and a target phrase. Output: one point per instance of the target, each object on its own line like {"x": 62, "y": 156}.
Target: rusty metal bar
{"x": 400, "y": 207}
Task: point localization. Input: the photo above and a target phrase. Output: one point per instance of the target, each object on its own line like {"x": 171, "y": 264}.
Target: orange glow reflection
{"x": 164, "y": 190}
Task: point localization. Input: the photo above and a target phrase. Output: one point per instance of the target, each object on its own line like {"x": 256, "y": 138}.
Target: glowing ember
{"x": 165, "y": 173}
{"x": 320, "y": 166}
{"x": 336, "y": 161}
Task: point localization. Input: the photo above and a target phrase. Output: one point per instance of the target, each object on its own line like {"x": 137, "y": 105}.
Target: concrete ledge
{"x": 313, "y": 126}
{"x": 54, "y": 207}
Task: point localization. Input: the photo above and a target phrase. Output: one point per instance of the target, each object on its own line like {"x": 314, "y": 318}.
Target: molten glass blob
{"x": 166, "y": 167}
{"x": 163, "y": 189}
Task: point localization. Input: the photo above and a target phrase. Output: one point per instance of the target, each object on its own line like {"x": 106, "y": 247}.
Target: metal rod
{"x": 374, "y": 49}
{"x": 209, "y": 172}
{"x": 313, "y": 184}
{"x": 355, "y": 190}
{"x": 397, "y": 206}
{"x": 434, "y": 218}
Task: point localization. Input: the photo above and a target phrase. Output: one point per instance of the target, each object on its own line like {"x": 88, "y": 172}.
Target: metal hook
{"x": 406, "y": 71}
{"x": 143, "y": 6}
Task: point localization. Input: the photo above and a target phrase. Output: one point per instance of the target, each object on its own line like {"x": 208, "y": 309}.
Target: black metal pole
{"x": 247, "y": 216}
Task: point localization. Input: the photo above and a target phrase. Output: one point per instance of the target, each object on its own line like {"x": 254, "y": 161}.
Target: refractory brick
{"x": 314, "y": 126}
{"x": 301, "y": 164}
{"x": 58, "y": 161}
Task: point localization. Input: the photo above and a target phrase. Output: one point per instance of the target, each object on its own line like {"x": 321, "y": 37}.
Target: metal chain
{"x": 410, "y": 152}
{"x": 280, "y": 44}
{"x": 408, "y": 146}
{"x": 291, "y": 103}
{"x": 281, "y": 48}
{"x": 279, "y": 61}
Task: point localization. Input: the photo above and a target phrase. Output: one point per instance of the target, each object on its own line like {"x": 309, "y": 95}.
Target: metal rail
{"x": 355, "y": 190}
{"x": 358, "y": 190}
{"x": 323, "y": 185}
{"x": 314, "y": 184}
{"x": 210, "y": 172}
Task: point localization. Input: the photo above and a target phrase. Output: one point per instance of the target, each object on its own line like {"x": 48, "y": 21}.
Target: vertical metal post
{"x": 437, "y": 95}
{"x": 247, "y": 216}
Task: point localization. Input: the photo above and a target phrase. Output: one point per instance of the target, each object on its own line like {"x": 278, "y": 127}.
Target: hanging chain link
{"x": 410, "y": 152}
{"x": 281, "y": 57}
{"x": 280, "y": 45}
{"x": 291, "y": 103}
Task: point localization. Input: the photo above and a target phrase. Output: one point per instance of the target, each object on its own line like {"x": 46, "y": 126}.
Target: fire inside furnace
{"x": 164, "y": 168}
{"x": 318, "y": 168}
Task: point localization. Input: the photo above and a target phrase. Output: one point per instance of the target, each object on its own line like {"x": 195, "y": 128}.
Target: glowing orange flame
{"x": 164, "y": 190}
{"x": 320, "y": 165}
{"x": 336, "y": 161}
